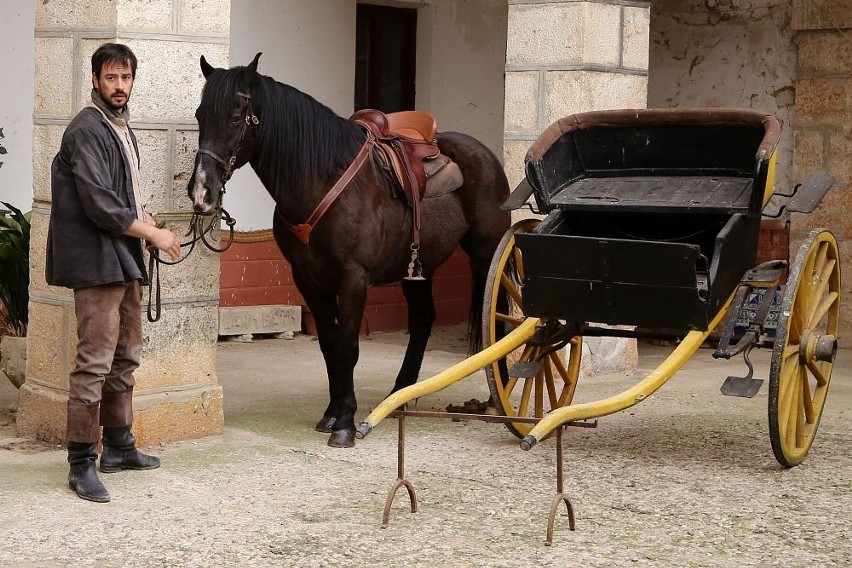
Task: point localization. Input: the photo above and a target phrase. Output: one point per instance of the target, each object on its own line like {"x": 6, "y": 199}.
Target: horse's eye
{"x": 235, "y": 120}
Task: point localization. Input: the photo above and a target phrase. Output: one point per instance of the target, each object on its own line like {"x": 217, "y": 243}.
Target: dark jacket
{"x": 93, "y": 205}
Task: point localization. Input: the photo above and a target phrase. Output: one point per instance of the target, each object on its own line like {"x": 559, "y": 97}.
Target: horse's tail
{"x": 479, "y": 275}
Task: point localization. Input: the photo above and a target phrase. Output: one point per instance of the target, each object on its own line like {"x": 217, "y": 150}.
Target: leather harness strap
{"x": 303, "y": 230}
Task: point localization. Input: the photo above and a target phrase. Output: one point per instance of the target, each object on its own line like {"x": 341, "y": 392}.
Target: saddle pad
{"x": 443, "y": 176}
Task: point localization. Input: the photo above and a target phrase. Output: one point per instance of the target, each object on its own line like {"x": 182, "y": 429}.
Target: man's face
{"x": 114, "y": 84}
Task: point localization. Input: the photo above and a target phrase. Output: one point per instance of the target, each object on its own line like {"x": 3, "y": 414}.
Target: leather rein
{"x": 199, "y": 230}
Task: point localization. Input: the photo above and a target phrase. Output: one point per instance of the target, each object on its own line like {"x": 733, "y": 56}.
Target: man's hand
{"x": 166, "y": 241}
{"x": 162, "y": 239}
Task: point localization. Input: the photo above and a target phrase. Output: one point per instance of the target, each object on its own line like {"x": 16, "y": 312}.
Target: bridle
{"x": 199, "y": 230}
{"x": 248, "y": 118}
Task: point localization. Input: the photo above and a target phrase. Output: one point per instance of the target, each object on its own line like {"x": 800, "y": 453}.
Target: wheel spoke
{"x": 823, "y": 308}
{"x": 508, "y": 319}
{"x": 800, "y": 425}
{"x": 519, "y": 262}
{"x": 787, "y": 392}
{"x": 813, "y": 367}
{"x": 807, "y": 401}
{"x": 524, "y": 404}
{"x": 538, "y": 403}
{"x": 510, "y": 288}
{"x": 822, "y": 281}
{"x": 548, "y": 380}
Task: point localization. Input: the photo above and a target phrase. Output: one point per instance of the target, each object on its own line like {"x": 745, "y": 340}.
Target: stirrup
{"x": 415, "y": 268}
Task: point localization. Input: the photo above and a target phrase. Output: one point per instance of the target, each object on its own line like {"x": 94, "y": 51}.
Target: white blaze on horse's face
{"x": 198, "y": 192}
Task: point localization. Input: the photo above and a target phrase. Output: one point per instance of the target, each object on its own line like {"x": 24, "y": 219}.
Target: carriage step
{"x": 741, "y": 386}
{"x": 525, "y": 369}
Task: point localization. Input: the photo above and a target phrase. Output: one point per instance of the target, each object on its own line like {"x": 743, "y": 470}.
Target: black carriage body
{"x": 653, "y": 215}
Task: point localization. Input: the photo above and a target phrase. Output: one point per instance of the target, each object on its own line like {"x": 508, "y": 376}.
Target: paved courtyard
{"x": 686, "y": 478}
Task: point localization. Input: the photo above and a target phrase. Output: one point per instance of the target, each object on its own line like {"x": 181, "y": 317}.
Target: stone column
{"x": 565, "y": 57}
{"x": 822, "y": 129}
{"x": 177, "y": 395}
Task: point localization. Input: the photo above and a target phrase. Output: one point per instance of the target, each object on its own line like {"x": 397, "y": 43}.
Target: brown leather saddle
{"x": 408, "y": 151}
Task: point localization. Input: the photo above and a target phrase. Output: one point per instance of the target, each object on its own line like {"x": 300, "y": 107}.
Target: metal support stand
{"x": 560, "y": 495}
{"x": 401, "y": 481}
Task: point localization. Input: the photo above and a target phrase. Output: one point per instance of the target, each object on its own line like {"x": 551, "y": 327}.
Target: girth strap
{"x": 303, "y": 230}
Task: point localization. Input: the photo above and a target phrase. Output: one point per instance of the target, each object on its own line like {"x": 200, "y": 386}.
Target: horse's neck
{"x": 308, "y": 160}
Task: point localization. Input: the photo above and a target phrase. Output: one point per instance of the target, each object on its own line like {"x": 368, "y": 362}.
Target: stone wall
{"x": 823, "y": 124}
{"x": 177, "y": 395}
{"x": 565, "y": 57}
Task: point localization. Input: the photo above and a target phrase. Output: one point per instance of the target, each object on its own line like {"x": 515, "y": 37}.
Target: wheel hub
{"x": 815, "y": 347}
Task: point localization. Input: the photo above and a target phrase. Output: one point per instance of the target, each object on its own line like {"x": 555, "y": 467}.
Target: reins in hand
{"x": 198, "y": 231}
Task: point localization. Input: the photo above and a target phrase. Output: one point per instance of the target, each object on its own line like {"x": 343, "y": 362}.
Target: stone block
{"x": 54, "y": 80}
{"x": 185, "y": 145}
{"x": 513, "y": 160}
{"x": 545, "y": 33}
{"x": 832, "y": 213}
{"x": 522, "y": 102}
{"x": 259, "y": 319}
{"x": 50, "y": 334}
{"x": 40, "y": 221}
{"x": 808, "y": 152}
{"x": 42, "y": 413}
{"x": 46, "y": 141}
{"x": 205, "y": 17}
{"x": 635, "y": 37}
{"x": 181, "y": 415}
{"x": 13, "y": 358}
{"x": 603, "y": 355}
{"x": 602, "y": 34}
{"x": 822, "y": 14}
{"x": 153, "y": 147}
{"x": 840, "y": 154}
{"x": 144, "y": 15}
{"x": 570, "y": 92}
{"x": 824, "y": 101}
{"x": 824, "y": 54}
{"x": 73, "y": 14}
{"x": 180, "y": 349}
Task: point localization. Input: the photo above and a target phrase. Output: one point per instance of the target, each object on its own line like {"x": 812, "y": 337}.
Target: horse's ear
{"x": 206, "y": 68}
{"x": 252, "y": 67}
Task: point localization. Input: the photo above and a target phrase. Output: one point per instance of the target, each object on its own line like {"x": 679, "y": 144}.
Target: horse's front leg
{"x": 338, "y": 323}
{"x": 421, "y": 316}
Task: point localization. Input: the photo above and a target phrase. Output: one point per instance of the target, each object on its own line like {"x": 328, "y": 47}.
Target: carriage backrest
{"x": 730, "y": 143}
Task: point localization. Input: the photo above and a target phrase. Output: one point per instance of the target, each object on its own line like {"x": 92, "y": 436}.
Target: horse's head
{"x": 226, "y": 132}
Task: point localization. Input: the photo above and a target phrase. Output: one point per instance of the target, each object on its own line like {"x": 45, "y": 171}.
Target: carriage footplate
{"x": 741, "y": 337}
{"x": 746, "y": 386}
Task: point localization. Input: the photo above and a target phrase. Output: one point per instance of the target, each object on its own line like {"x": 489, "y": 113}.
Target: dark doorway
{"x": 386, "y": 39}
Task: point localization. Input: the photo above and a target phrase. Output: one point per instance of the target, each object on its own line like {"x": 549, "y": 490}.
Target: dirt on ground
{"x": 686, "y": 478}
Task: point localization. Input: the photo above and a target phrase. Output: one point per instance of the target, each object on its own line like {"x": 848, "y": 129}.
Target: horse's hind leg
{"x": 421, "y": 316}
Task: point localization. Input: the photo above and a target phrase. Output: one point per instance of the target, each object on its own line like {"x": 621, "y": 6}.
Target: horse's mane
{"x": 300, "y": 140}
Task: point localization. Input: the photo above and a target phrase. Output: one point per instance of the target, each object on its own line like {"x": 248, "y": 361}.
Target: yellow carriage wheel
{"x": 805, "y": 347}
{"x": 555, "y": 380}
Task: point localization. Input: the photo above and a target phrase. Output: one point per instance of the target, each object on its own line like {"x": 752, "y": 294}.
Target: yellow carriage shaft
{"x": 560, "y": 416}
{"x": 454, "y": 374}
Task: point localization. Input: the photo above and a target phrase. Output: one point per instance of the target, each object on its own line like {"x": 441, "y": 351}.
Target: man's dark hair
{"x": 113, "y": 53}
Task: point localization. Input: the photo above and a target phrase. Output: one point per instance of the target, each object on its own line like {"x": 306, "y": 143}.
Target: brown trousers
{"x": 109, "y": 331}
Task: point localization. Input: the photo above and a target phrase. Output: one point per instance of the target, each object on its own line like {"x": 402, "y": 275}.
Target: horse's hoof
{"x": 342, "y": 439}
{"x": 326, "y": 425}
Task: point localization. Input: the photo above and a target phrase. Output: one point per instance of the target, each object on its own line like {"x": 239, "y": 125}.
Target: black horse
{"x": 299, "y": 149}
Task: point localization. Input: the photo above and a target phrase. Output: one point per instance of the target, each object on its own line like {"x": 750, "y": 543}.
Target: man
{"x": 94, "y": 246}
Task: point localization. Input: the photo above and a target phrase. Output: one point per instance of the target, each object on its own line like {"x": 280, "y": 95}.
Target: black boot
{"x": 120, "y": 452}
{"x": 83, "y": 478}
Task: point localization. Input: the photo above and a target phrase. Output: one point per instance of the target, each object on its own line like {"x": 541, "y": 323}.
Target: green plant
{"x": 2, "y": 148}
{"x": 14, "y": 268}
